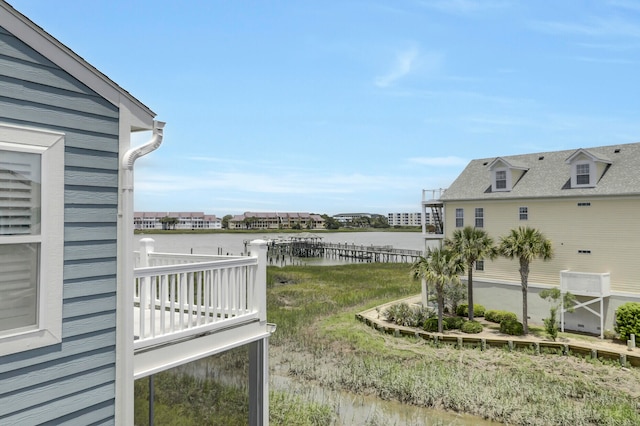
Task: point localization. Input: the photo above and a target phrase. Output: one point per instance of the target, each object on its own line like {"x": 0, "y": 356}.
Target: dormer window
{"x": 505, "y": 174}
{"x": 582, "y": 174}
{"x": 501, "y": 179}
{"x": 586, "y": 168}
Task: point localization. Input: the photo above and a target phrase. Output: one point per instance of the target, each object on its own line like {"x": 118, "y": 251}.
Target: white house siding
{"x": 73, "y": 381}
{"x": 570, "y": 228}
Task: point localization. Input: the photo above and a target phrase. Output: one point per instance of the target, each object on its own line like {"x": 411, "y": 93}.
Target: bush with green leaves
{"x": 408, "y": 316}
{"x": 463, "y": 310}
{"x": 512, "y": 327}
{"x": 453, "y": 323}
{"x": 454, "y": 292}
{"x": 471, "y": 327}
{"x": 497, "y": 316}
{"x": 431, "y": 325}
{"x": 628, "y": 320}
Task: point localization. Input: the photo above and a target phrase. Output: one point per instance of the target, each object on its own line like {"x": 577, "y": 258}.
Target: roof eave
{"x": 48, "y": 46}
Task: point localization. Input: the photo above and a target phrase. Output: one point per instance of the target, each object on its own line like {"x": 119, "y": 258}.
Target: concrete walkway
{"x": 491, "y": 337}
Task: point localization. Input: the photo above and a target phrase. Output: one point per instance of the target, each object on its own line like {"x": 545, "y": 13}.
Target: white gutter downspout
{"x": 124, "y": 312}
{"x": 134, "y": 153}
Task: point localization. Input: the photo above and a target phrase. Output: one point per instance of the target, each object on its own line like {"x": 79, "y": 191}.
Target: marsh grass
{"x": 184, "y": 400}
{"x": 326, "y": 345}
{"x": 321, "y": 291}
{"x": 319, "y": 342}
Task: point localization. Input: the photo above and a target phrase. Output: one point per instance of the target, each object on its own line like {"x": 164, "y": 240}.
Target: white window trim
{"x": 479, "y": 218}
{"x": 574, "y": 174}
{"x": 507, "y": 187}
{"x": 50, "y": 145}
{"x": 524, "y": 213}
{"x": 461, "y": 217}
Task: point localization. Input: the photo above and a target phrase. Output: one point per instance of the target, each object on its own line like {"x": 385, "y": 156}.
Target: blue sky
{"x": 353, "y": 106}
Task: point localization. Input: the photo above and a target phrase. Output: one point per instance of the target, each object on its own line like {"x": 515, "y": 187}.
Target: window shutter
{"x": 19, "y": 193}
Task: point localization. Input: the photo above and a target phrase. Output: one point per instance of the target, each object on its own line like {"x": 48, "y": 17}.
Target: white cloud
{"x": 402, "y": 66}
{"x": 283, "y": 183}
{"x": 440, "y": 161}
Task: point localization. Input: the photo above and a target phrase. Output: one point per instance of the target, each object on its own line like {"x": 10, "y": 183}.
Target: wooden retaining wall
{"x": 626, "y": 359}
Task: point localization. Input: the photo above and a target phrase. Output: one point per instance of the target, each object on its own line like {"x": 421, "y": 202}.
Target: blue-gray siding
{"x": 73, "y": 382}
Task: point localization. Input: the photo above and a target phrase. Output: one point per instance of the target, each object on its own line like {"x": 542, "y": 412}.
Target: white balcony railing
{"x": 585, "y": 283}
{"x": 178, "y": 296}
{"x": 432, "y": 194}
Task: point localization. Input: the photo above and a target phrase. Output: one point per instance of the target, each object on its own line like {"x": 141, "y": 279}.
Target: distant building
{"x": 185, "y": 220}
{"x": 407, "y": 219}
{"x": 275, "y": 220}
{"x": 349, "y": 217}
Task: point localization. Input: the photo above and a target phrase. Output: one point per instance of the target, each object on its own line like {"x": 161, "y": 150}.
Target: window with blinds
{"x": 31, "y": 237}
{"x": 19, "y": 193}
{"x": 20, "y": 201}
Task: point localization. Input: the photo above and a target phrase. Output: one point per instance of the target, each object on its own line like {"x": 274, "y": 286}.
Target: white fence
{"x": 178, "y": 296}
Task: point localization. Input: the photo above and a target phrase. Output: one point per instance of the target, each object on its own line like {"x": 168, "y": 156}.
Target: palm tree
{"x": 471, "y": 244}
{"x": 525, "y": 244}
{"x": 438, "y": 267}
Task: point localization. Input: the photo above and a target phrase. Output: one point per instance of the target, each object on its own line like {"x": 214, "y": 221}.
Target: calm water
{"x": 235, "y": 243}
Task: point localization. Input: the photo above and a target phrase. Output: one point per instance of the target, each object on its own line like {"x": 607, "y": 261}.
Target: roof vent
{"x": 541, "y": 157}
{"x": 485, "y": 163}
{"x": 617, "y": 150}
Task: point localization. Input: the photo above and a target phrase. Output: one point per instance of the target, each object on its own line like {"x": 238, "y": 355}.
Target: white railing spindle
{"x": 178, "y": 295}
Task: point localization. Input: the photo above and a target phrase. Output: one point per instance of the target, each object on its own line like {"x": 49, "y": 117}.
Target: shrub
{"x": 420, "y": 314}
{"x": 628, "y": 320}
{"x": 454, "y": 293}
{"x": 431, "y": 325}
{"x": 499, "y": 316}
{"x": 551, "y": 325}
{"x": 391, "y": 313}
{"x": 511, "y": 327}
{"x": 403, "y": 314}
{"x": 471, "y": 327}
{"x": 453, "y": 323}
{"x": 463, "y": 310}
{"x": 558, "y": 300}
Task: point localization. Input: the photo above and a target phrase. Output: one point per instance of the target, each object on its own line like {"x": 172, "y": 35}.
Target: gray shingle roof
{"x": 548, "y": 175}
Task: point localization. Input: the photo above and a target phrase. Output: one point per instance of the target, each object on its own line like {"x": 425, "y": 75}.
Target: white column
{"x": 424, "y": 294}
{"x": 259, "y": 382}
{"x": 259, "y": 350}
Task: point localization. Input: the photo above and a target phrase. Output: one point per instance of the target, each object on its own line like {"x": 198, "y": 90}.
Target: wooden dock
{"x": 315, "y": 248}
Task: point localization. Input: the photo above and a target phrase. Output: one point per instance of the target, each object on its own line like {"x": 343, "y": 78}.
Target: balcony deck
{"x": 187, "y": 307}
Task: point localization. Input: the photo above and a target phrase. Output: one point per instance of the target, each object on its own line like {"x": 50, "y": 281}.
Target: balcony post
{"x": 147, "y": 246}
{"x": 259, "y": 382}
{"x": 259, "y": 350}
{"x": 259, "y": 250}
